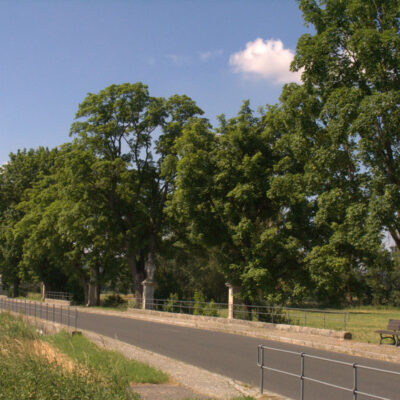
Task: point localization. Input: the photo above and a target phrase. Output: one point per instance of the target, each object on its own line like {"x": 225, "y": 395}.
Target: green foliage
{"x": 198, "y": 305}
{"x": 211, "y": 309}
{"x": 171, "y": 304}
{"x": 201, "y": 307}
{"x": 114, "y": 300}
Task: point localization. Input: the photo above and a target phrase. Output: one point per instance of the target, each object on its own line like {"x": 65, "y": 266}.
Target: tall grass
{"x": 29, "y": 374}
{"x": 110, "y": 364}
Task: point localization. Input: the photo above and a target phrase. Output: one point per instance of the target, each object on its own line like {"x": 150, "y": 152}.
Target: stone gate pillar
{"x": 148, "y": 294}
{"x": 232, "y": 292}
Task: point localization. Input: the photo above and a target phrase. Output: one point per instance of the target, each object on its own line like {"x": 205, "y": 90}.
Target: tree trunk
{"x": 137, "y": 271}
{"x": 93, "y": 288}
{"x": 85, "y": 286}
{"x": 16, "y": 287}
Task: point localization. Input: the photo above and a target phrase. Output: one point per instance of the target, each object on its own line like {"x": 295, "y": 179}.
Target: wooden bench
{"x": 391, "y": 332}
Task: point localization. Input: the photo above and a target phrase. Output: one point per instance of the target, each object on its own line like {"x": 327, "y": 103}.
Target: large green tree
{"x": 223, "y": 183}
{"x": 19, "y": 174}
{"x": 133, "y": 133}
{"x": 350, "y": 71}
{"x": 67, "y": 223}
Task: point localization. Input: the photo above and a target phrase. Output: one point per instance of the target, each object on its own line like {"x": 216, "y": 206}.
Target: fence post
{"x": 305, "y": 318}
{"x": 324, "y": 319}
{"x": 302, "y": 377}
{"x": 355, "y": 382}
{"x": 47, "y": 311}
{"x": 35, "y": 309}
{"x": 69, "y": 309}
{"x": 61, "y": 315}
{"x": 344, "y": 325}
{"x": 76, "y": 319}
{"x": 262, "y": 370}
{"x": 54, "y": 314}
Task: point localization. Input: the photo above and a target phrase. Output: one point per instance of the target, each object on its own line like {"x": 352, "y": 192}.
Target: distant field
{"x": 360, "y": 322}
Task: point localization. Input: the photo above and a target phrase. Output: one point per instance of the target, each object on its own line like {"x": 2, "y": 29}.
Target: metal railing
{"x": 50, "y": 312}
{"x": 58, "y": 295}
{"x": 303, "y": 378}
{"x": 275, "y": 314}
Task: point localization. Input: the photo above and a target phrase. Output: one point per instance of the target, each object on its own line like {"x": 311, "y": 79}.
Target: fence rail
{"x": 303, "y": 377}
{"x": 58, "y": 295}
{"x": 63, "y": 315}
{"x": 264, "y": 313}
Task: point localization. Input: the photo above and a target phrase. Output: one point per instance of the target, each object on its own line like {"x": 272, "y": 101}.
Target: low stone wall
{"x": 241, "y": 324}
{"x": 58, "y": 302}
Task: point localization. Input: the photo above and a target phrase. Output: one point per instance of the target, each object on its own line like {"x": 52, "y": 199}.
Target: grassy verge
{"x": 110, "y": 364}
{"x": 63, "y": 368}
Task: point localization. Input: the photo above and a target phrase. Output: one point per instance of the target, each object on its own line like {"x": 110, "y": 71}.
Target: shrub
{"x": 114, "y": 300}
{"x": 170, "y": 305}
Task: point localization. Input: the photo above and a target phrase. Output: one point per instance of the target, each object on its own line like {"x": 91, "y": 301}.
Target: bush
{"x": 114, "y": 300}
{"x": 211, "y": 309}
{"x": 198, "y": 298}
{"x": 170, "y": 305}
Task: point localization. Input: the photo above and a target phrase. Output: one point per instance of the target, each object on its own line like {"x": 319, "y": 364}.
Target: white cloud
{"x": 179, "y": 59}
{"x": 267, "y": 59}
{"x": 205, "y": 56}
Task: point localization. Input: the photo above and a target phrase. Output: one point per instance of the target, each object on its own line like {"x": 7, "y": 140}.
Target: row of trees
{"x": 291, "y": 203}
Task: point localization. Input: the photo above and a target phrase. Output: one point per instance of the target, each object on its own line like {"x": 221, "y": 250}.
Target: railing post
{"x": 355, "y": 382}
{"x": 262, "y": 370}
{"x": 302, "y": 377}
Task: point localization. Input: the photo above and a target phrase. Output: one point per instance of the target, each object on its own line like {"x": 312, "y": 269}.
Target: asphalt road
{"x": 235, "y": 356}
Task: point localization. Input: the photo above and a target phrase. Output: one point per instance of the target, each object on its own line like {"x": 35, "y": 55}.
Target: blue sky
{"x": 219, "y": 52}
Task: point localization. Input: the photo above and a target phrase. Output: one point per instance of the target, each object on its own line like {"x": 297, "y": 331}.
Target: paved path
{"x": 235, "y": 356}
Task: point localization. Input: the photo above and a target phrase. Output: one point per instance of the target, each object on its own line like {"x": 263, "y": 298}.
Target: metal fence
{"x": 58, "y": 295}
{"x": 354, "y": 390}
{"x": 275, "y": 314}
{"x": 50, "y": 312}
